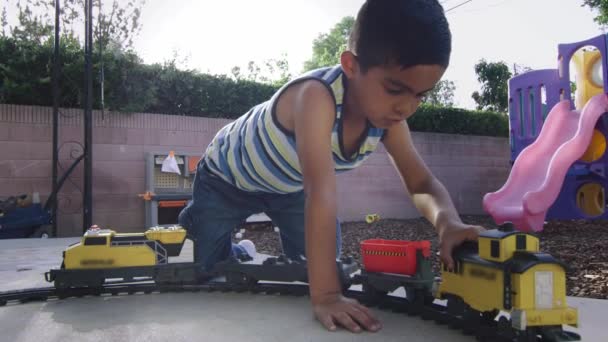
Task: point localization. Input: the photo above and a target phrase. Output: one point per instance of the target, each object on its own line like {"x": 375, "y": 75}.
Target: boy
{"x": 281, "y": 157}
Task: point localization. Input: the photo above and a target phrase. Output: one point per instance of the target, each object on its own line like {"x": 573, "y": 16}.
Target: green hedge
{"x": 132, "y": 86}
{"x": 459, "y": 121}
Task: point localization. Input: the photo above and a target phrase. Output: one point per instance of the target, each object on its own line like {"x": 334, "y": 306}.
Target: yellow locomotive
{"x": 104, "y": 248}
{"x": 505, "y": 271}
{"x": 103, "y": 254}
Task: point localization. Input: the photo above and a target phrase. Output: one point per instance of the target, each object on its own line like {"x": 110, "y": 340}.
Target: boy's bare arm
{"x": 313, "y": 120}
{"x": 428, "y": 194}
{"x": 313, "y": 117}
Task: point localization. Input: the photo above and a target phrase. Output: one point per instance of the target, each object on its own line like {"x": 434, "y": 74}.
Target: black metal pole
{"x": 101, "y": 72}
{"x": 56, "y": 74}
{"x": 88, "y": 116}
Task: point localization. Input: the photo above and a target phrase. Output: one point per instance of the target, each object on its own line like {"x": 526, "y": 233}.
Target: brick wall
{"x": 469, "y": 166}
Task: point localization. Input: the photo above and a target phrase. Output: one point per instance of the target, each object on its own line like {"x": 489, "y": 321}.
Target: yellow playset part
{"x": 510, "y": 274}
{"x": 104, "y": 248}
{"x": 588, "y": 66}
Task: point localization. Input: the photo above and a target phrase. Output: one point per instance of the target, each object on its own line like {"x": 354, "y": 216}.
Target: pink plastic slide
{"x": 539, "y": 171}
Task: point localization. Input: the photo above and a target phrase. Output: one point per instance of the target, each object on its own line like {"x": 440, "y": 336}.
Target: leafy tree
{"x": 117, "y": 22}
{"x": 274, "y": 71}
{"x": 602, "y": 8}
{"x": 120, "y": 24}
{"x": 3, "y": 22}
{"x": 278, "y": 70}
{"x": 327, "y": 47}
{"x": 32, "y": 26}
{"x": 442, "y": 94}
{"x": 494, "y": 79}
{"x": 519, "y": 69}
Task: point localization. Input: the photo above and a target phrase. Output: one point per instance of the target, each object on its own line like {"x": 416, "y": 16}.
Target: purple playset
{"x": 532, "y": 97}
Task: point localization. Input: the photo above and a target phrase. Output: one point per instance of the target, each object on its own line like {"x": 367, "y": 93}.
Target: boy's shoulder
{"x": 323, "y": 84}
{"x": 306, "y": 96}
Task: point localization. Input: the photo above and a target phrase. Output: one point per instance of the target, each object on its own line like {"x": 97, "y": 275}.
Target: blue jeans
{"x": 217, "y": 208}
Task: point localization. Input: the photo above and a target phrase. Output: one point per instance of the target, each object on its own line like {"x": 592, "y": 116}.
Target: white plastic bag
{"x": 170, "y": 164}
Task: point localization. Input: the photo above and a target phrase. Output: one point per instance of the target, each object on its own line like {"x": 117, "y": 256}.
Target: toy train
{"x": 502, "y": 272}
{"x": 103, "y": 255}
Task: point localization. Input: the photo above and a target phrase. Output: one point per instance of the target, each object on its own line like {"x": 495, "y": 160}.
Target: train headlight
{"x": 543, "y": 289}
{"x": 518, "y": 319}
{"x": 570, "y": 317}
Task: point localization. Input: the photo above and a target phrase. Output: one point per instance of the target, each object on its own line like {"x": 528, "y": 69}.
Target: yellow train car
{"x": 104, "y": 248}
{"x": 505, "y": 271}
{"x": 103, "y": 254}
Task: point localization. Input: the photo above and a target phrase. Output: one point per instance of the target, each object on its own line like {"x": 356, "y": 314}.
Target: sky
{"x": 217, "y": 35}
{"x": 214, "y": 36}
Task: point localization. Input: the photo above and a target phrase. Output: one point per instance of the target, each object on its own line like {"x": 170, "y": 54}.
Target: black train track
{"x": 483, "y": 330}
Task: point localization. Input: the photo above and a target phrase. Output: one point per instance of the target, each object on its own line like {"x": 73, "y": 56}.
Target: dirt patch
{"x": 582, "y": 245}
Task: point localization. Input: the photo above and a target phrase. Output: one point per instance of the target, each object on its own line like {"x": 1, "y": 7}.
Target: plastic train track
{"x": 482, "y": 329}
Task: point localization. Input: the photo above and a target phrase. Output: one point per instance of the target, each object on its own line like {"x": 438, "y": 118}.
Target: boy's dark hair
{"x": 405, "y": 32}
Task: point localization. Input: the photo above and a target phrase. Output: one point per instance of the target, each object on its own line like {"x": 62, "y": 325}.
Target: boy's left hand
{"x": 453, "y": 235}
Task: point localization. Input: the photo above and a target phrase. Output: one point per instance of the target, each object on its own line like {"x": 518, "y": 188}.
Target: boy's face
{"x": 387, "y": 95}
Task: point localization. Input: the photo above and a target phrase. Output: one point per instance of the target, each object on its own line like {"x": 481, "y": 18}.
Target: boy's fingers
{"x": 446, "y": 255}
{"x": 364, "y": 319}
{"x": 327, "y": 322}
{"x": 473, "y": 233}
{"x": 365, "y": 309}
{"x": 376, "y": 325}
{"x": 347, "y": 322}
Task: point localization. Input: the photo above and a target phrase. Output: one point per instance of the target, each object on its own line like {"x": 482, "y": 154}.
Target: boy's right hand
{"x": 335, "y": 309}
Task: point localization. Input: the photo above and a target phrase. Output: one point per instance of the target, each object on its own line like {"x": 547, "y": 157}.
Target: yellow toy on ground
{"x": 103, "y": 255}
{"x": 371, "y": 218}
{"x": 104, "y": 248}
{"x": 505, "y": 271}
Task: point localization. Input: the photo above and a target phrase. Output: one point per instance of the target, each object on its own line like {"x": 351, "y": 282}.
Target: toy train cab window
{"x": 520, "y": 242}
{"x": 96, "y": 241}
{"x": 495, "y": 249}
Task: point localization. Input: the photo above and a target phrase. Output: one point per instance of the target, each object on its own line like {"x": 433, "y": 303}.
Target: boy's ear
{"x": 349, "y": 63}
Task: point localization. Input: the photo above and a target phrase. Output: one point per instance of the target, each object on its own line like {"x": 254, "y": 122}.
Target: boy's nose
{"x": 411, "y": 108}
{"x": 405, "y": 109}
{"x": 403, "y": 113}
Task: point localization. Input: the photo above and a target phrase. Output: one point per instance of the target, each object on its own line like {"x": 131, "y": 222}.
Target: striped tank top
{"x": 256, "y": 153}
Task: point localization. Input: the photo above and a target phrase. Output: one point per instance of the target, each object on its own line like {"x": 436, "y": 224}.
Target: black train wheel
{"x": 472, "y": 319}
{"x": 504, "y": 326}
{"x": 242, "y": 279}
{"x": 456, "y": 306}
{"x": 528, "y": 335}
{"x": 419, "y": 298}
{"x": 373, "y": 296}
{"x": 489, "y": 316}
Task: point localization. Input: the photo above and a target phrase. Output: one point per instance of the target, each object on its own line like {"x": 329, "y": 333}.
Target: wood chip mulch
{"x": 581, "y": 244}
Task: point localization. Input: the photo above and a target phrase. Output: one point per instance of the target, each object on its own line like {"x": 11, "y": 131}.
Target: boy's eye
{"x": 394, "y": 91}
